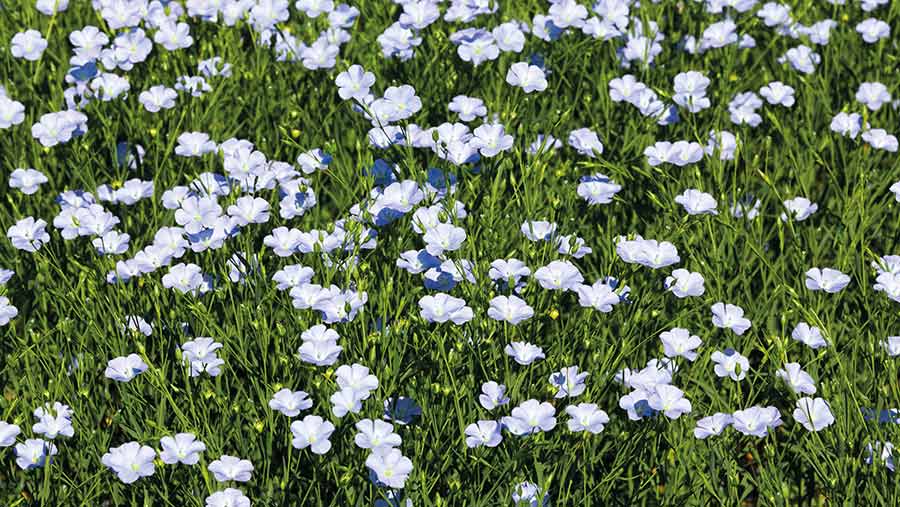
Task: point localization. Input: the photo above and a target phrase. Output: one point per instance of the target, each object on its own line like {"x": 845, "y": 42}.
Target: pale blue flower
{"x": 872, "y": 30}
{"x": 7, "y": 311}
{"x": 530, "y": 417}
{"x": 123, "y": 369}
{"x": 483, "y": 433}
{"x": 313, "y": 432}
{"x": 873, "y": 95}
{"x": 810, "y": 336}
{"x": 680, "y": 342}
{"x": 728, "y": 316}
{"x": 586, "y": 142}
{"x": 510, "y": 309}
{"x": 130, "y": 461}
{"x": 669, "y": 400}
{"x": 182, "y": 448}
{"x": 228, "y": 497}
{"x": 586, "y": 417}
{"x": 696, "y": 202}
{"x": 756, "y": 421}
{"x": 8, "y": 434}
{"x": 229, "y": 468}
{"x": 29, "y": 45}
{"x": 712, "y": 425}
{"x": 684, "y": 283}
{"x": 798, "y": 380}
{"x": 826, "y": 279}
{"x": 524, "y": 353}
{"x": 569, "y": 382}
{"x": 493, "y": 395}
{"x": 730, "y": 364}
{"x": 880, "y": 140}
{"x": 599, "y": 296}
{"x": 813, "y": 414}
{"x": 290, "y": 403}
{"x": 373, "y": 434}
{"x": 357, "y": 378}
{"x": 559, "y": 275}
{"x": 597, "y": 189}
{"x": 778, "y": 93}
{"x": 28, "y": 180}
{"x": 443, "y": 307}
{"x": 34, "y": 453}
{"x": 528, "y": 77}
{"x": 347, "y": 401}
{"x": 389, "y": 466}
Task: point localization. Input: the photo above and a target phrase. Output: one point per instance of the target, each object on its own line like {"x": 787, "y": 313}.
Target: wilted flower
{"x": 886, "y": 451}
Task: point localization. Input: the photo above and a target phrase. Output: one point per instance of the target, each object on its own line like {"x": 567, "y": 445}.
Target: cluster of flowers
{"x": 132, "y": 460}
{"x": 215, "y": 207}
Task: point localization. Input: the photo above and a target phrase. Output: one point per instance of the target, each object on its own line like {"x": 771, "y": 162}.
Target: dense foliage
{"x": 449, "y": 252}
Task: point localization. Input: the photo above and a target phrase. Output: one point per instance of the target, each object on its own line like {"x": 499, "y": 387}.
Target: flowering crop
{"x": 449, "y": 252}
